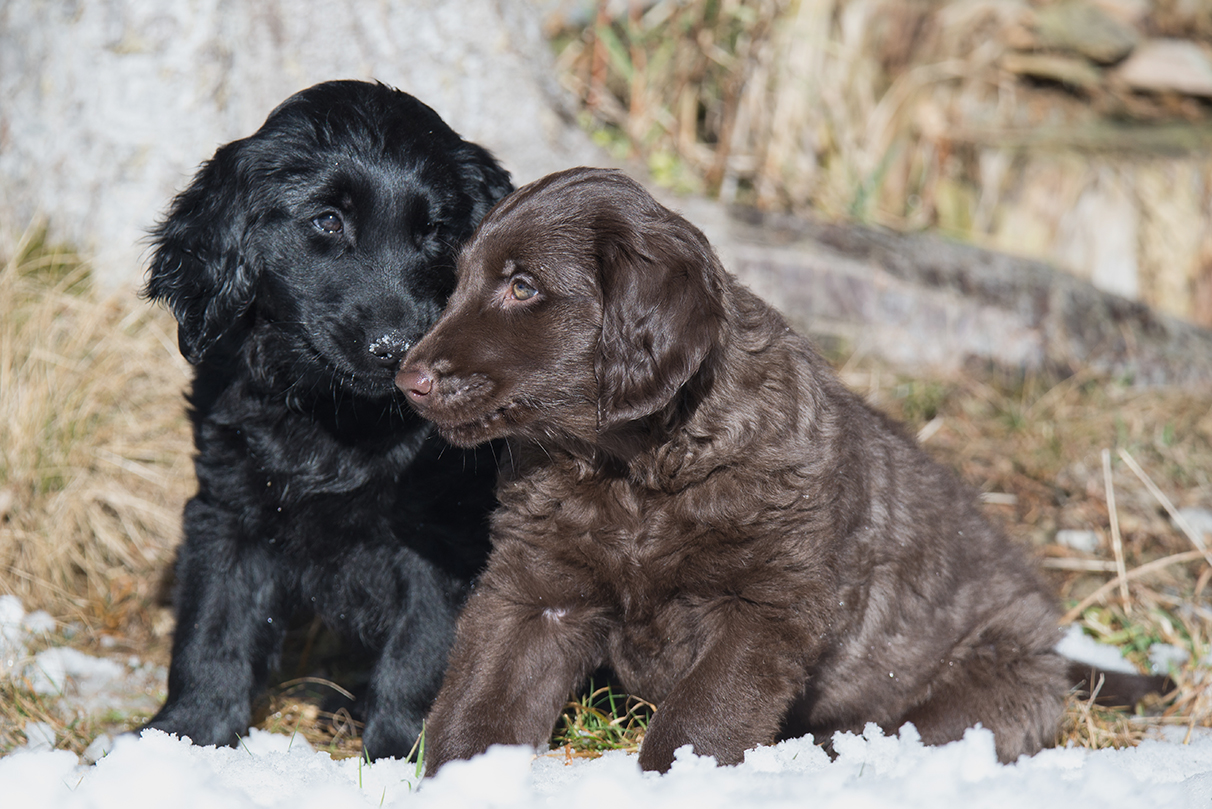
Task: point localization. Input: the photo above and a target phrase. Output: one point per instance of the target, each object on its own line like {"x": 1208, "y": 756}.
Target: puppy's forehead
{"x": 346, "y": 184}
{"x": 494, "y": 252}
{"x": 531, "y": 244}
{"x": 298, "y": 148}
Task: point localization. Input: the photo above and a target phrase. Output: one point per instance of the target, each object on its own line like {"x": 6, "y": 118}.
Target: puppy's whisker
{"x": 539, "y": 444}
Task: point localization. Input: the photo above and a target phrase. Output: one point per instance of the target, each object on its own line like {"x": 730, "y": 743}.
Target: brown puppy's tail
{"x": 1115, "y": 688}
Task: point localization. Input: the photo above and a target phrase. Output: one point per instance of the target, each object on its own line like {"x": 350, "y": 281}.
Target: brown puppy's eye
{"x": 329, "y": 222}
{"x": 519, "y": 290}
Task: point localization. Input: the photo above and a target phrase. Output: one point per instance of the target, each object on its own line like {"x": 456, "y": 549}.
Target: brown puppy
{"x": 695, "y": 500}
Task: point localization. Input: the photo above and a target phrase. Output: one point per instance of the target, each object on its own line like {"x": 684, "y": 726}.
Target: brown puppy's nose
{"x": 415, "y": 380}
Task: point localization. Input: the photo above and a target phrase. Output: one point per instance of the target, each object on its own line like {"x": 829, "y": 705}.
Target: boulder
{"x": 1084, "y": 28}
{"x": 1168, "y": 65}
{"x": 110, "y": 105}
{"x": 927, "y": 303}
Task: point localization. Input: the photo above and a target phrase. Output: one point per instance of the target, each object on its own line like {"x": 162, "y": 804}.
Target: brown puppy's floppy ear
{"x": 661, "y": 312}
{"x": 202, "y": 268}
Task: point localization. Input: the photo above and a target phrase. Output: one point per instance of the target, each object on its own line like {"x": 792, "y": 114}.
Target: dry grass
{"x": 812, "y": 104}
{"x": 22, "y": 705}
{"x": 907, "y": 114}
{"x": 95, "y": 464}
{"x": 294, "y": 708}
{"x": 94, "y": 446}
{"x": 875, "y": 109}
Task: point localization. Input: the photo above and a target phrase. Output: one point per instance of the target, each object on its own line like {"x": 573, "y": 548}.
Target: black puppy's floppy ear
{"x": 200, "y": 267}
{"x": 661, "y": 315}
{"x": 485, "y": 175}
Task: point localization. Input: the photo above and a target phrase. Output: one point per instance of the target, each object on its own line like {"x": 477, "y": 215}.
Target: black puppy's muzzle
{"x": 387, "y": 350}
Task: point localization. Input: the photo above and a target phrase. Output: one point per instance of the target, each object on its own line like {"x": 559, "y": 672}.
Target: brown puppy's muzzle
{"x": 460, "y": 406}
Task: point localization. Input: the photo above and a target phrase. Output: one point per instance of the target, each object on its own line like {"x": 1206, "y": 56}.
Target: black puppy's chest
{"x": 350, "y": 547}
{"x": 298, "y": 487}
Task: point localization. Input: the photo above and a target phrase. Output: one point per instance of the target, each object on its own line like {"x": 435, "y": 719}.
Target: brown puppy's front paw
{"x": 664, "y": 738}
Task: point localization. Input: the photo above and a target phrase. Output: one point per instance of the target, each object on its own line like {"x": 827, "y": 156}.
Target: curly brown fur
{"x": 696, "y": 501}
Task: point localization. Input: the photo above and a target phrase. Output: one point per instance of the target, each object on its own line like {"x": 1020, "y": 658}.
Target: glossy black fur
{"x": 301, "y": 263}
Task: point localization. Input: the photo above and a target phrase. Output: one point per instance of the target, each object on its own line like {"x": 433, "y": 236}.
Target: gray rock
{"x": 1168, "y": 65}
{"x": 924, "y": 302}
{"x": 1069, "y": 70}
{"x": 110, "y": 105}
{"x": 1081, "y": 27}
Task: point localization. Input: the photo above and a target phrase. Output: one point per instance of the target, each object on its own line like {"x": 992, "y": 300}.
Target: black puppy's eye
{"x": 424, "y": 232}
{"x": 329, "y": 222}
{"x": 519, "y": 290}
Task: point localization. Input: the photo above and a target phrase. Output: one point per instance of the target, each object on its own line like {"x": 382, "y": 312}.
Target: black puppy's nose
{"x": 417, "y": 381}
{"x": 389, "y": 349}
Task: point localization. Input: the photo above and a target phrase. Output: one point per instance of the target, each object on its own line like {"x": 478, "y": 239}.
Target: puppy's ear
{"x": 661, "y": 315}
{"x": 485, "y": 175}
{"x": 200, "y": 267}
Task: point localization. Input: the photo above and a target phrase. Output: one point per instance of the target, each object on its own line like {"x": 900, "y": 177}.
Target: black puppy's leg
{"x": 231, "y": 618}
{"x": 512, "y": 669}
{"x": 408, "y": 673}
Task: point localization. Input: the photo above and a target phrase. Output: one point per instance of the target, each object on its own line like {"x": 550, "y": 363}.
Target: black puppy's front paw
{"x": 217, "y": 727}
{"x": 390, "y": 737}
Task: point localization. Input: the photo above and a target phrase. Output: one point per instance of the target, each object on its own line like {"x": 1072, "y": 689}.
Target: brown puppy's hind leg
{"x": 1020, "y": 700}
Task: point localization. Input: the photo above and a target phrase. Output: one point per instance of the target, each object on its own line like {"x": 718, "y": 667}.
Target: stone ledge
{"x": 923, "y": 302}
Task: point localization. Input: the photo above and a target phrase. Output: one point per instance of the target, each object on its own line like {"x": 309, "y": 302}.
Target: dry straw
{"x": 844, "y": 107}
{"x": 95, "y": 454}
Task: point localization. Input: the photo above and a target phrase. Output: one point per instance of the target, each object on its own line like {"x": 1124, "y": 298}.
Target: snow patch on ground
{"x": 80, "y": 684}
{"x": 1077, "y": 645}
{"x": 870, "y": 771}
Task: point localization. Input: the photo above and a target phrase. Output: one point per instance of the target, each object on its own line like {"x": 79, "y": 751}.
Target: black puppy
{"x": 301, "y": 264}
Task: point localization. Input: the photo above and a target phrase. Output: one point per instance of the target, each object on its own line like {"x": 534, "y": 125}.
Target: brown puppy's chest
{"x": 657, "y": 579}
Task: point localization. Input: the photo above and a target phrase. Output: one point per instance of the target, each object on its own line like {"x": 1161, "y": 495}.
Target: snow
{"x": 80, "y": 683}
{"x": 1077, "y": 645}
{"x": 870, "y": 771}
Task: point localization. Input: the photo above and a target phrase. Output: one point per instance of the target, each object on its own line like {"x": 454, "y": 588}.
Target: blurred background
{"x": 993, "y": 215}
{"x": 1074, "y": 131}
